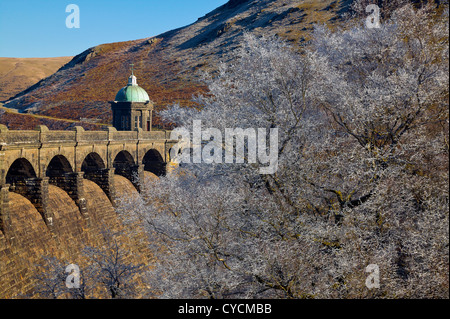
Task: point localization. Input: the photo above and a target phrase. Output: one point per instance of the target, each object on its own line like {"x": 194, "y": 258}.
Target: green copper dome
{"x": 132, "y": 92}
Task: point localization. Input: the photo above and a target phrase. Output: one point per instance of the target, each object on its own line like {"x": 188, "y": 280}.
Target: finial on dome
{"x": 132, "y": 92}
{"x": 132, "y": 80}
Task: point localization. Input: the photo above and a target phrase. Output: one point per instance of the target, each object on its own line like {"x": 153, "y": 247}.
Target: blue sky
{"x": 37, "y": 28}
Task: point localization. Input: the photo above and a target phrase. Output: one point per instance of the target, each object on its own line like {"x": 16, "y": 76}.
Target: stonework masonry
{"x": 43, "y": 171}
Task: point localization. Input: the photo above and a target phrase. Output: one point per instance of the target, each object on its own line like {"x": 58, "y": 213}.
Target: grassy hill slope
{"x": 17, "y": 74}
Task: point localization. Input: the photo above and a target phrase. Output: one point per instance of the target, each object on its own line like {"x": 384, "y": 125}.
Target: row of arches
{"x": 21, "y": 169}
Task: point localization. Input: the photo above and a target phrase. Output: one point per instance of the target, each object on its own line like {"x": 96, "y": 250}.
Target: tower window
{"x": 124, "y": 123}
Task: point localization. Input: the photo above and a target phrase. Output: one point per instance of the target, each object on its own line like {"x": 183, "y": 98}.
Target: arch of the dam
{"x": 30, "y": 161}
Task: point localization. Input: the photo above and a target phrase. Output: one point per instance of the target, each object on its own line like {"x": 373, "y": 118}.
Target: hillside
{"x": 166, "y": 65}
{"x": 19, "y": 121}
{"x": 17, "y": 74}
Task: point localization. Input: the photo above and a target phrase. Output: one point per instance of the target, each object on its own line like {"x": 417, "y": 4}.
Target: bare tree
{"x": 51, "y": 277}
{"x": 105, "y": 268}
{"x": 113, "y": 270}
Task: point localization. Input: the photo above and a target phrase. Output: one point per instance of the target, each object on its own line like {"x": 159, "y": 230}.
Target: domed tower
{"x": 132, "y": 107}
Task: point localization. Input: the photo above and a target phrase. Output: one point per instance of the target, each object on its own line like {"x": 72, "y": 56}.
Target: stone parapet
{"x": 30, "y": 161}
{"x": 42, "y": 135}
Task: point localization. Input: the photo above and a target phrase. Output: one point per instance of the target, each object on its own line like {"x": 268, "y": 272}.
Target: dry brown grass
{"x": 16, "y": 121}
{"x": 17, "y": 74}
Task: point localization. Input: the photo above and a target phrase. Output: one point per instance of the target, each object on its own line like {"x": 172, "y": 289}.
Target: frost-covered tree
{"x": 362, "y": 171}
